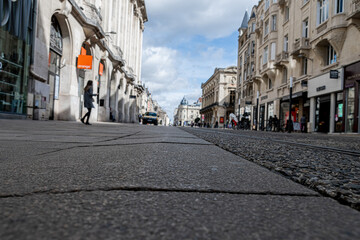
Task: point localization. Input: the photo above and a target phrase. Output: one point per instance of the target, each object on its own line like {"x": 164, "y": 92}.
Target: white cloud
{"x": 181, "y": 19}
{"x": 180, "y": 47}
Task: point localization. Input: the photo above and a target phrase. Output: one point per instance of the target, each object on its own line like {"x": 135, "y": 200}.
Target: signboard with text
{"x": 84, "y": 62}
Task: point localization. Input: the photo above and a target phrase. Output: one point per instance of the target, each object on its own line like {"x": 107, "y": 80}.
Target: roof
{"x": 245, "y": 21}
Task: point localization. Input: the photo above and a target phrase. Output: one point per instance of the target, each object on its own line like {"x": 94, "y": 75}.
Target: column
{"x": 312, "y": 114}
{"x": 119, "y": 23}
{"x": 332, "y": 112}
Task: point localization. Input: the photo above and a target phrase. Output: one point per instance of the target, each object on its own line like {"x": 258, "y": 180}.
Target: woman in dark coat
{"x": 88, "y": 101}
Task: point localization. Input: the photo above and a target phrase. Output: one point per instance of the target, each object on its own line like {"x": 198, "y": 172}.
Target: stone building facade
{"x": 185, "y": 114}
{"x": 312, "y": 43}
{"x": 218, "y": 96}
{"x": 79, "y": 40}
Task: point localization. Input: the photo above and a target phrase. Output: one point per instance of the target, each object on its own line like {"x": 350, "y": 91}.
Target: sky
{"x": 184, "y": 41}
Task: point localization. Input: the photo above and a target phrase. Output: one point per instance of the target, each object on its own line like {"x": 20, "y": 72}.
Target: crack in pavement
{"x": 154, "y": 189}
{"x": 124, "y": 144}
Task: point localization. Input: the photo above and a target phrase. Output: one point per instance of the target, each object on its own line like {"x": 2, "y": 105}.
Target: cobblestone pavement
{"x": 333, "y": 174}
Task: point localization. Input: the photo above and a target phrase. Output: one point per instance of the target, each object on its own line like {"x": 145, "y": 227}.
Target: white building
{"x": 187, "y": 113}
{"x": 109, "y": 34}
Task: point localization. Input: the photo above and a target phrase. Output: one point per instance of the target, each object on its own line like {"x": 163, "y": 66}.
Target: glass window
{"x": 322, "y": 11}
{"x": 273, "y": 51}
{"x": 306, "y": 28}
{"x": 266, "y": 31}
{"x": 266, "y": 54}
{"x": 13, "y": 79}
{"x": 267, "y": 4}
{"x": 274, "y": 22}
{"x": 287, "y": 13}
{"x": 339, "y": 6}
{"x": 270, "y": 84}
{"x": 284, "y": 79}
{"x": 350, "y": 109}
{"x": 331, "y": 55}
{"x": 304, "y": 66}
{"x": 286, "y": 43}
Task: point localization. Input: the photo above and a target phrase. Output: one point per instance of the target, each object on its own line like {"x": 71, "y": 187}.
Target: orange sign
{"x": 101, "y": 69}
{"x": 84, "y": 62}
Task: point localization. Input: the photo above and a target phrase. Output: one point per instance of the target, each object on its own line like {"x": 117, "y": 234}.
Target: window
{"x": 240, "y": 78}
{"x": 253, "y": 27}
{"x": 273, "y": 51}
{"x": 287, "y": 12}
{"x": 331, "y": 55}
{"x": 266, "y": 52}
{"x": 284, "y": 79}
{"x": 322, "y": 11}
{"x": 267, "y": 4}
{"x": 306, "y": 28}
{"x": 270, "y": 83}
{"x": 232, "y": 97}
{"x": 339, "y": 6}
{"x": 304, "y": 66}
{"x": 252, "y": 47}
{"x": 273, "y": 25}
{"x": 240, "y": 62}
{"x": 286, "y": 43}
{"x": 266, "y": 31}
{"x": 252, "y": 67}
{"x": 274, "y": 1}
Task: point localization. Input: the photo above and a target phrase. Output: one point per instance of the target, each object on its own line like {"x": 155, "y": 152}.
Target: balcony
{"x": 301, "y": 46}
{"x": 282, "y": 58}
{"x": 355, "y": 10}
{"x": 282, "y": 2}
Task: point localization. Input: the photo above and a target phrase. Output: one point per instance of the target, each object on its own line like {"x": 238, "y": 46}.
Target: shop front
{"x": 326, "y": 102}
{"x": 351, "y": 96}
{"x": 299, "y": 108}
{"x": 15, "y": 53}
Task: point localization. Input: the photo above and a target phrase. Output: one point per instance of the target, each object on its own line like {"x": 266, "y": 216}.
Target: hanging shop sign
{"x": 101, "y": 69}
{"x": 84, "y": 62}
{"x": 221, "y": 119}
{"x": 334, "y": 74}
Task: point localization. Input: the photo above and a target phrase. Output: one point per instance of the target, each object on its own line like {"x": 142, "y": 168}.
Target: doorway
{"x": 324, "y": 117}
{"x": 53, "y": 81}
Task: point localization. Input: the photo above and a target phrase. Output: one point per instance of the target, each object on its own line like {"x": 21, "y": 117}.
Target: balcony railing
{"x": 301, "y": 45}
{"x": 282, "y": 58}
{"x": 355, "y": 9}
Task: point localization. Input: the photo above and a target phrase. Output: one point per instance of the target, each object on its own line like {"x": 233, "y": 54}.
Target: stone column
{"x": 109, "y": 11}
{"x": 332, "y": 112}
{"x": 312, "y": 114}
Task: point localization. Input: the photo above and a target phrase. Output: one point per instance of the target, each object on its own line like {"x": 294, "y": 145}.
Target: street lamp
{"x": 289, "y": 124}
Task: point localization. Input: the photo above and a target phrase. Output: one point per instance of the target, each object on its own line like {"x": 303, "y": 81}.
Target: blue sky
{"x": 184, "y": 41}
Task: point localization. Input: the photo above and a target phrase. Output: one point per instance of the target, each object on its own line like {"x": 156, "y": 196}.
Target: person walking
{"x": 303, "y": 124}
{"x": 88, "y": 101}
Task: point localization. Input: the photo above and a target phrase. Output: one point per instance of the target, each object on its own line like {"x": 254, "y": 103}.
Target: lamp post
{"x": 257, "y": 110}
{"x": 290, "y": 125}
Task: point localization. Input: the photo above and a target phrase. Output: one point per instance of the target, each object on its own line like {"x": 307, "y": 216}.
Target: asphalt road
{"x": 65, "y": 180}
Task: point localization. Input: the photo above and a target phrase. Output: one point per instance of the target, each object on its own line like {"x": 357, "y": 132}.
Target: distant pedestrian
{"x": 276, "y": 123}
{"x": 88, "y": 101}
{"x": 303, "y": 124}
